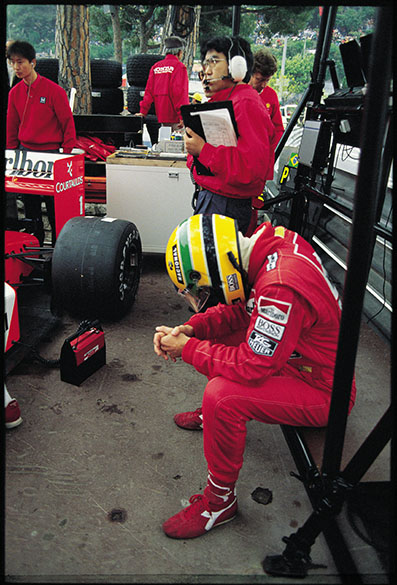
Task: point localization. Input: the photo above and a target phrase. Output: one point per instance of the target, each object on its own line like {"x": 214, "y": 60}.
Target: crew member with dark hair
{"x": 39, "y": 118}
{"x": 265, "y": 66}
{"x": 167, "y": 86}
{"x": 234, "y": 176}
{"x": 268, "y": 350}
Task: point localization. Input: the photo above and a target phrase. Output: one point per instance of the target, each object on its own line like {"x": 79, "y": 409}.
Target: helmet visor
{"x": 196, "y": 296}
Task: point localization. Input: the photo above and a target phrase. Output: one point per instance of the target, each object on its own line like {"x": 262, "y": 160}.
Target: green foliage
{"x": 262, "y": 25}
{"x": 297, "y": 69}
{"x": 138, "y": 23}
{"x": 100, "y": 25}
{"x": 284, "y": 20}
{"x": 215, "y": 20}
{"x": 32, "y": 23}
{"x": 355, "y": 20}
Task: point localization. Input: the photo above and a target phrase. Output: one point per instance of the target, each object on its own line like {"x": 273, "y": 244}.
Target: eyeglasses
{"x": 212, "y": 61}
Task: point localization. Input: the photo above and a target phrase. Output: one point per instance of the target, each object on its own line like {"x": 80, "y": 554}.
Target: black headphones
{"x": 237, "y": 65}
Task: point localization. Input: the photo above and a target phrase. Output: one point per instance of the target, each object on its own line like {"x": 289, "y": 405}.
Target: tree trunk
{"x": 73, "y": 51}
{"x": 118, "y": 52}
{"x": 192, "y": 40}
{"x": 184, "y": 22}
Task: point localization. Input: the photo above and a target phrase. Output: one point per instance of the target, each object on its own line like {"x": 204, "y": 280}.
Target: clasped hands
{"x": 169, "y": 342}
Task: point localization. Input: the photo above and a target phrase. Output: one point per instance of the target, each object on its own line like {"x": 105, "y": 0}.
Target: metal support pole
{"x": 364, "y": 218}
{"x": 330, "y": 23}
{"x": 295, "y": 560}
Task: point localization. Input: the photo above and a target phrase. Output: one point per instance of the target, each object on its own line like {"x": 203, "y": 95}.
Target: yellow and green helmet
{"x": 203, "y": 255}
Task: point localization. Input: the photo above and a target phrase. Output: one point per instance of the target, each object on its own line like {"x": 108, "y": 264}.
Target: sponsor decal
{"x": 272, "y": 261}
{"x": 273, "y": 309}
{"x": 59, "y": 187}
{"x": 177, "y": 264}
{"x": 232, "y": 282}
{"x": 90, "y": 352}
{"x": 272, "y": 329}
{"x": 22, "y": 165}
{"x": 165, "y": 69}
{"x": 261, "y": 345}
{"x": 288, "y": 174}
{"x": 42, "y": 100}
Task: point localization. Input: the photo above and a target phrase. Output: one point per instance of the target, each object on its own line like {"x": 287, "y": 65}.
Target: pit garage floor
{"x": 93, "y": 471}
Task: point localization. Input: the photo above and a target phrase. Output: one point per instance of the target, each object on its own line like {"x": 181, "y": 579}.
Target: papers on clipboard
{"x": 214, "y": 121}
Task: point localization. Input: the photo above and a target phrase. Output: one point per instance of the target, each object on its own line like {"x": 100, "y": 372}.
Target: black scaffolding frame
{"x": 328, "y": 489}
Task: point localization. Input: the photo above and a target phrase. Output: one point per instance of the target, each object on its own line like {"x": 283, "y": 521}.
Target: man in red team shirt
{"x": 268, "y": 349}
{"x": 265, "y": 66}
{"x": 167, "y": 86}
{"x": 234, "y": 175}
{"x": 39, "y": 118}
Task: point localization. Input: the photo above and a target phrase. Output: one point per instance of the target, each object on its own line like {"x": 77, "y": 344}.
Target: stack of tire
{"x": 48, "y": 67}
{"x": 106, "y": 79}
{"x": 138, "y": 67}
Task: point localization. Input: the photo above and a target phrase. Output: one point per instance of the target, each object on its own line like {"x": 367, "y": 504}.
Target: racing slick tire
{"x": 107, "y": 100}
{"x": 138, "y": 68}
{"x": 96, "y": 267}
{"x": 105, "y": 73}
{"x": 134, "y": 97}
{"x": 48, "y": 67}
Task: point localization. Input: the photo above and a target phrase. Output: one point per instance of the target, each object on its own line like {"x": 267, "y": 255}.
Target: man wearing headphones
{"x": 38, "y": 118}
{"x": 233, "y": 176}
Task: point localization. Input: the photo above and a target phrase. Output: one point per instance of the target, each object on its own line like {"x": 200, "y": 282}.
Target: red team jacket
{"x": 291, "y": 320}
{"x": 270, "y": 99}
{"x": 40, "y": 119}
{"x": 240, "y": 171}
{"x": 168, "y": 87}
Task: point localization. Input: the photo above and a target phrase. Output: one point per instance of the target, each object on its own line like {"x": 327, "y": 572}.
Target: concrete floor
{"x": 111, "y": 445}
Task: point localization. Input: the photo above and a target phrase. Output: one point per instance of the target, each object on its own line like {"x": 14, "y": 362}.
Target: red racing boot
{"x": 12, "y": 414}
{"x": 190, "y": 420}
{"x": 216, "y": 506}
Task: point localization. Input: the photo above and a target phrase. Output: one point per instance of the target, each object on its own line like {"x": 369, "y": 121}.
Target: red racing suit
{"x": 270, "y": 99}
{"x": 274, "y": 361}
{"x": 40, "y": 118}
{"x": 240, "y": 171}
{"x": 168, "y": 87}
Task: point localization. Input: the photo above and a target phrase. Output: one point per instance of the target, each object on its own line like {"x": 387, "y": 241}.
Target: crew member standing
{"x": 264, "y": 67}
{"x": 167, "y": 86}
{"x": 39, "y": 118}
{"x": 229, "y": 178}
